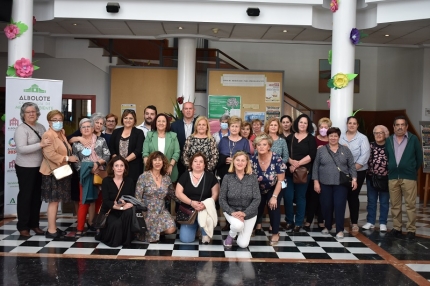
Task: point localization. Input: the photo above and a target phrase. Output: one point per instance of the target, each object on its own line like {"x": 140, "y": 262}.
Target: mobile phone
{"x": 119, "y": 202}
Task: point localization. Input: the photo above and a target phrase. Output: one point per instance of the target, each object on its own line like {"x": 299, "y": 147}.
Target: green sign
{"x": 35, "y": 88}
{"x": 218, "y": 105}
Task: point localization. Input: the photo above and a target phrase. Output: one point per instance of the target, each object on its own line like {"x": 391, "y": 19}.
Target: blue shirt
{"x": 360, "y": 149}
{"x": 229, "y": 148}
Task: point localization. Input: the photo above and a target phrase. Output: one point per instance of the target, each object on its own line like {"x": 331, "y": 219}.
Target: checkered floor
{"x": 303, "y": 245}
{"x": 421, "y": 269}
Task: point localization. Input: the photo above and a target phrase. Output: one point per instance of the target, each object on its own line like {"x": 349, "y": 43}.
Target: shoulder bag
{"x": 300, "y": 175}
{"x": 186, "y": 215}
{"x": 100, "y": 219}
{"x": 344, "y": 179}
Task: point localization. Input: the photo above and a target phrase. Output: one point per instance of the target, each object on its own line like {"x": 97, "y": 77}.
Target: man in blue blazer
{"x": 184, "y": 128}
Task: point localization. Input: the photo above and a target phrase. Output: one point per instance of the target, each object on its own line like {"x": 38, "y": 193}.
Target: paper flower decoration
{"x": 334, "y": 5}
{"x": 328, "y": 103}
{"x": 14, "y": 30}
{"x": 329, "y": 56}
{"x": 22, "y": 68}
{"x": 340, "y": 80}
{"x": 356, "y": 36}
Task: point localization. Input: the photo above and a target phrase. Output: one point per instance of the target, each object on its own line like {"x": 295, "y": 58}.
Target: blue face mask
{"x": 57, "y": 125}
{"x": 224, "y": 125}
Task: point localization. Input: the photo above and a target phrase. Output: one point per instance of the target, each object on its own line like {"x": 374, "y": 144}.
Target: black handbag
{"x": 188, "y": 215}
{"x": 138, "y": 224}
{"x": 380, "y": 182}
{"x": 344, "y": 179}
{"x": 100, "y": 219}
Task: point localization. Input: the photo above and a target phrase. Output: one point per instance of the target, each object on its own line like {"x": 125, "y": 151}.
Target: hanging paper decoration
{"x": 21, "y": 68}
{"x": 356, "y": 36}
{"x": 15, "y": 29}
{"x": 328, "y": 103}
{"x": 340, "y": 80}
{"x": 329, "y": 56}
{"x": 334, "y": 5}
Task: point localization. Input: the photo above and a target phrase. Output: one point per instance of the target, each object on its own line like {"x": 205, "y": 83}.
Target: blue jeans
{"x": 297, "y": 191}
{"x": 372, "y": 203}
{"x": 187, "y": 232}
{"x": 333, "y": 196}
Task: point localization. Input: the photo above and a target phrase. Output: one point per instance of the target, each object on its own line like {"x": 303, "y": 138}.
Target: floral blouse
{"x": 207, "y": 146}
{"x": 100, "y": 148}
{"x": 268, "y": 179}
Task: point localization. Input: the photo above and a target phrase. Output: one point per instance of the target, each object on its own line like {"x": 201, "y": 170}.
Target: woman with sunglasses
{"x": 127, "y": 142}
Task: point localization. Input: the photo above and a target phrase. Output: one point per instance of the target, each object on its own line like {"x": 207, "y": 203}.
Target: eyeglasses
{"x": 378, "y": 133}
{"x": 110, "y": 121}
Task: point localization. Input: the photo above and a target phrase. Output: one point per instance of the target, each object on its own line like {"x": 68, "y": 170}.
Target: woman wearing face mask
{"x": 287, "y": 123}
{"x": 313, "y": 198}
{"x": 224, "y": 129}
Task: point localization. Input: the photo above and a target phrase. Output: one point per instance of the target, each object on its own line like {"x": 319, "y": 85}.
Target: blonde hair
{"x": 267, "y": 124}
{"x": 262, "y": 137}
{"x": 325, "y": 120}
{"x": 200, "y": 118}
{"x": 248, "y": 168}
{"x": 235, "y": 120}
{"x": 384, "y": 129}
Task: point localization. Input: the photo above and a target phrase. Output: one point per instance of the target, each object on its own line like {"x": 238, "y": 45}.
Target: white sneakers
{"x": 339, "y": 235}
{"x": 325, "y": 231}
{"x": 370, "y": 226}
{"x": 383, "y": 227}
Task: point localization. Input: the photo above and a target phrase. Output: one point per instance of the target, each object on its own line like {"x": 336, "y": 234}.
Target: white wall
{"x": 426, "y": 83}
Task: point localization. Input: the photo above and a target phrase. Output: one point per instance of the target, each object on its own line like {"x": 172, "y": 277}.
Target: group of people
{"x": 244, "y": 169}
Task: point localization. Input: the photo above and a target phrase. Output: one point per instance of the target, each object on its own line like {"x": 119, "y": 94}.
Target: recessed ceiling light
{"x": 74, "y": 24}
{"x": 180, "y": 28}
{"x": 387, "y": 35}
{"x": 215, "y": 30}
{"x": 284, "y": 31}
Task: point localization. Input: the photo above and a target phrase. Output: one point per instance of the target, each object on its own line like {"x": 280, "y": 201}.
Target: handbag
{"x": 300, "y": 175}
{"x": 186, "y": 215}
{"x": 98, "y": 178}
{"x": 380, "y": 182}
{"x": 344, "y": 179}
{"x": 62, "y": 171}
{"x": 100, "y": 219}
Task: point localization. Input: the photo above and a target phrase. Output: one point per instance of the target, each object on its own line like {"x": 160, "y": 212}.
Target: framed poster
{"x": 425, "y": 139}
{"x": 218, "y": 105}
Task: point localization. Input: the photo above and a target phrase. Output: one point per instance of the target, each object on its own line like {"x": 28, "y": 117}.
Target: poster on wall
{"x": 273, "y": 92}
{"x": 273, "y": 111}
{"x": 219, "y": 105}
{"x": 425, "y": 139}
{"x": 251, "y": 115}
{"x": 129, "y": 106}
{"x": 47, "y": 94}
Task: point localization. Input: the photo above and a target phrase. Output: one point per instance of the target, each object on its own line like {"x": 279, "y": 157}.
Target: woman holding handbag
{"x": 118, "y": 226}
{"x": 93, "y": 156}
{"x": 193, "y": 189}
{"x": 332, "y": 161}
{"x": 302, "y": 149}
{"x": 56, "y": 155}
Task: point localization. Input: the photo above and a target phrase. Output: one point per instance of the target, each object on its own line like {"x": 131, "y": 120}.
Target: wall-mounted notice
{"x": 273, "y": 111}
{"x": 127, "y": 106}
{"x": 243, "y": 79}
{"x": 218, "y": 105}
{"x": 425, "y": 136}
{"x": 250, "y": 115}
{"x": 273, "y": 92}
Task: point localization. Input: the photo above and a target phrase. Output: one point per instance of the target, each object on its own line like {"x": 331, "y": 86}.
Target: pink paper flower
{"x": 11, "y": 31}
{"x": 334, "y": 5}
{"x": 23, "y": 67}
{"x": 328, "y": 103}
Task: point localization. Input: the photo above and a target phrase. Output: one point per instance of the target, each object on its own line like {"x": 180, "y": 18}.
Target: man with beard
{"x": 149, "y": 114}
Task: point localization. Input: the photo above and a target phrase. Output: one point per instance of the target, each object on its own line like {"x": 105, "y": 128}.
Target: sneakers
{"x": 228, "y": 242}
{"x": 383, "y": 227}
{"x": 339, "y": 235}
{"x": 370, "y": 226}
{"x": 325, "y": 231}
{"x": 205, "y": 239}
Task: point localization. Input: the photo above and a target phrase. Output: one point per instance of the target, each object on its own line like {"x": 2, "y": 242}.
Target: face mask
{"x": 323, "y": 132}
{"x": 57, "y": 126}
{"x": 224, "y": 125}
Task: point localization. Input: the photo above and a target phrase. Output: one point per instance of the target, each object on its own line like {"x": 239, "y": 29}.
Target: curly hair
{"x": 157, "y": 155}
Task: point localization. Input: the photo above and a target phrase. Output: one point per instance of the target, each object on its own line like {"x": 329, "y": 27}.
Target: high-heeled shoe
{"x": 274, "y": 242}
{"x": 90, "y": 227}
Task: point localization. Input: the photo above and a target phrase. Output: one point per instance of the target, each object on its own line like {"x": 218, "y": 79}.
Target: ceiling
{"x": 400, "y": 33}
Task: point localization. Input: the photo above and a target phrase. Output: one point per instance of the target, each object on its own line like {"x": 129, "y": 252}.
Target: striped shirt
{"x": 360, "y": 148}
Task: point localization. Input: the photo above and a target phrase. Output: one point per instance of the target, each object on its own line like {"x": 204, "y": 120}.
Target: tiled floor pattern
{"x": 422, "y": 269}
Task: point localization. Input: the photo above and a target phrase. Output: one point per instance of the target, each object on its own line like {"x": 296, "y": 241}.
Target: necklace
{"x": 231, "y": 145}
{"x": 197, "y": 178}
{"x": 157, "y": 177}
{"x": 263, "y": 162}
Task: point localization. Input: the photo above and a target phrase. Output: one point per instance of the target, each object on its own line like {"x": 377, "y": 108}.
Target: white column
{"x": 22, "y": 46}
{"x": 343, "y": 56}
{"x": 186, "y": 68}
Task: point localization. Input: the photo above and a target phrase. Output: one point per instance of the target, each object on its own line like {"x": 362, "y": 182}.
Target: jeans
{"x": 372, "y": 203}
{"x": 280, "y": 195}
{"x": 274, "y": 215}
{"x": 187, "y": 232}
{"x": 297, "y": 191}
{"x": 333, "y": 197}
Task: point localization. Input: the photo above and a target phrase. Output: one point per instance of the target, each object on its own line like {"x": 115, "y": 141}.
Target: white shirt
{"x": 161, "y": 144}
{"x": 188, "y": 129}
{"x": 143, "y": 128}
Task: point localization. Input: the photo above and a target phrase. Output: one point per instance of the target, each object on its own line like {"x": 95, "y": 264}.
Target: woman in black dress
{"x": 118, "y": 224}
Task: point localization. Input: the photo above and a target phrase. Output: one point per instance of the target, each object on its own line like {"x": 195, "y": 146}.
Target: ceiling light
{"x": 284, "y": 31}
{"x": 74, "y": 24}
{"x": 215, "y": 30}
{"x": 387, "y": 35}
{"x": 180, "y": 28}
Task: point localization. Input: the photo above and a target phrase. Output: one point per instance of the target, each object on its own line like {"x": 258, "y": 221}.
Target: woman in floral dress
{"x": 152, "y": 188}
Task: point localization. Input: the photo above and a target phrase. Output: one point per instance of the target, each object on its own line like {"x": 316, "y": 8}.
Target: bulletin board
{"x": 425, "y": 139}
{"x": 260, "y": 93}
{"x": 142, "y": 86}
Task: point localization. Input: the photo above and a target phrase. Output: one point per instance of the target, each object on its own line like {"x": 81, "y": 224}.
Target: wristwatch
{"x": 121, "y": 208}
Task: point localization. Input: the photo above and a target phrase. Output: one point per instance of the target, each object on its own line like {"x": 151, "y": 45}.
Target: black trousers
{"x": 29, "y": 197}
{"x": 313, "y": 205}
{"x": 353, "y": 201}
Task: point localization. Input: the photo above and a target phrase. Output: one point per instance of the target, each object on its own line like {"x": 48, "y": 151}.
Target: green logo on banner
{"x": 35, "y": 88}
{"x": 12, "y": 201}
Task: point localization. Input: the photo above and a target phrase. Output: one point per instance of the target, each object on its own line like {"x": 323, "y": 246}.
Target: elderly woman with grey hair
{"x": 93, "y": 155}
{"x": 377, "y": 180}
{"x": 27, "y": 163}
{"x": 224, "y": 131}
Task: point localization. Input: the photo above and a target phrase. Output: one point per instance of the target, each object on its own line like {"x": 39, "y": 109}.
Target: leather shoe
{"x": 297, "y": 228}
{"x": 52, "y": 235}
{"x": 289, "y": 227}
{"x": 37, "y": 230}
{"x": 61, "y": 232}
{"x": 24, "y": 233}
{"x": 410, "y": 235}
{"x": 396, "y": 233}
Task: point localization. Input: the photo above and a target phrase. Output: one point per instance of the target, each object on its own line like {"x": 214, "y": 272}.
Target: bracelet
{"x": 274, "y": 196}
{"x": 191, "y": 202}
{"x": 67, "y": 158}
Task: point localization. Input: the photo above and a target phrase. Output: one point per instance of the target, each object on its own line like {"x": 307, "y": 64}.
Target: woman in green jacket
{"x": 163, "y": 140}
